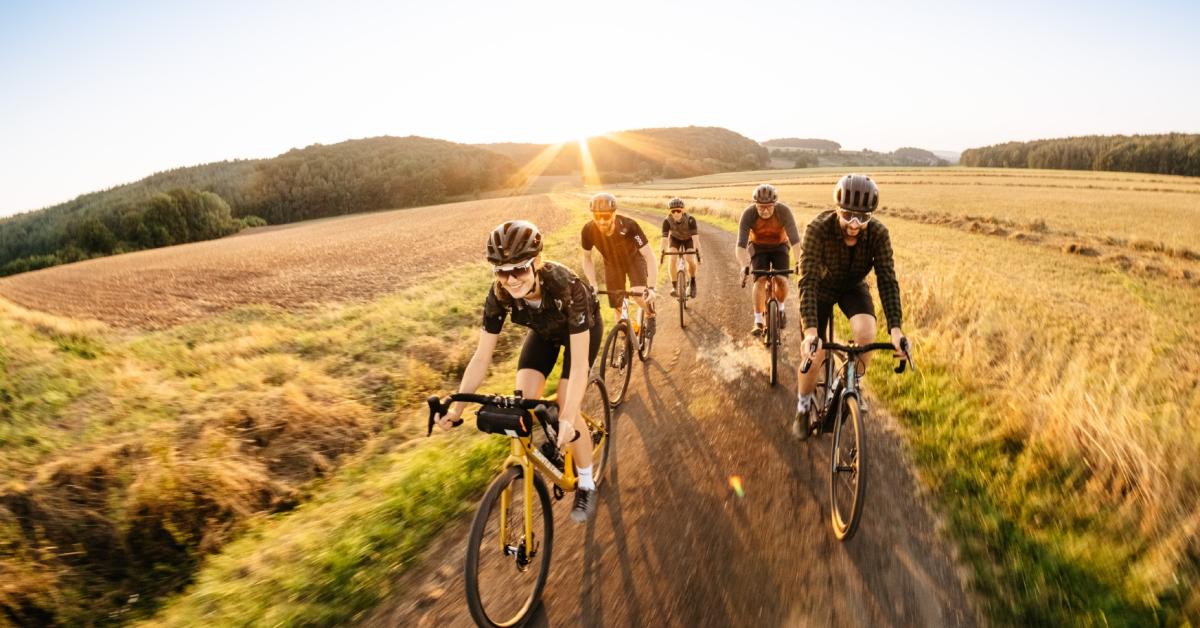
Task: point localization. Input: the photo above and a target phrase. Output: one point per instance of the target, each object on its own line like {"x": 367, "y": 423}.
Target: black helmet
{"x": 856, "y": 192}
{"x": 514, "y": 242}
{"x": 676, "y": 203}
{"x": 765, "y": 193}
{"x": 603, "y": 202}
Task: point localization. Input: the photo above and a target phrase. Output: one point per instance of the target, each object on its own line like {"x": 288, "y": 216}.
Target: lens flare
{"x": 735, "y": 482}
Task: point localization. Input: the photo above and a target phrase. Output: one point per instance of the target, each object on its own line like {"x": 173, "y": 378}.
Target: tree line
{"x": 215, "y": 200}
{"x": 644, "y": 154}
{"x": 1172, "y": 153}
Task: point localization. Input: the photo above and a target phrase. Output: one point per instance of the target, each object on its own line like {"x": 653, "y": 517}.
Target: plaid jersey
{"x": 828, "y": 267}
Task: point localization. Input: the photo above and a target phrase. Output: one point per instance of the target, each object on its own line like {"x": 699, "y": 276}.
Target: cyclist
{"x": 679, "y": 233}
{"x": 626, "y": 252}
{"x": 561, "y": 313}
{"x": 767, "y": 226}
{"x": 840, "y": 247}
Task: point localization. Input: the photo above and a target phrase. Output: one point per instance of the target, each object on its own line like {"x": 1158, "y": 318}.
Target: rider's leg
{"x": 862, "y": 328}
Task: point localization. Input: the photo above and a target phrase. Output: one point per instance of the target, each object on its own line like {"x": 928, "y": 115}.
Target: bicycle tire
{"x": 847, "y": 470}
{"x": 615, "y": 358}
{"x": 601, "y": 426}
{"x": 773, "y": 338}
{"x": 524, "y": 612}
{"x": 680, "y": 286}
{"x": 645, "y": 339}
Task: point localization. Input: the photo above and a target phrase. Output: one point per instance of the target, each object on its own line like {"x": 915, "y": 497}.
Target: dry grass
{"x": 131, "y": 455}
{"x": 292, "y": 266}
{"x": 1053, "y": 311}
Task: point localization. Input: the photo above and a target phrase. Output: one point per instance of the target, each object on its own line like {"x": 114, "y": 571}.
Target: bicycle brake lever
{"x": 437, "y": 407}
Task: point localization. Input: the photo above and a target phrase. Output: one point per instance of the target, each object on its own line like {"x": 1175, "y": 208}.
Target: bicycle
{"x": 616, "y": 356}
{"x": 681, "y": 280}
{"x": 501, "y": 589}
{"x": 772, "y": 335}
{"x": 838, "y": 405}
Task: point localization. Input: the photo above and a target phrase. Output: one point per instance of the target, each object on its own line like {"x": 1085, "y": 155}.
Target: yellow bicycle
{"x": 508, "y": 550}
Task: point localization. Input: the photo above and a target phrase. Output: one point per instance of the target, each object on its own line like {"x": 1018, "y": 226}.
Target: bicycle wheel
{"x": 773, "y": 338}
{"x": 680, "y": 286}
{"x": 598, "y": 415}
{"x": 645, "y": 338}
{"x": 506, "y": 569}
{"x": 615, "y": 367}
{"x": 847, "y": 480}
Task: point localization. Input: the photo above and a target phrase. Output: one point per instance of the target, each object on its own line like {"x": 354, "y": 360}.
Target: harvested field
{"x": 346, "y": 258}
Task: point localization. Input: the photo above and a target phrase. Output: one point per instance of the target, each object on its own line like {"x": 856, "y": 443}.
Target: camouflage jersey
{"x": 568, "y": 306}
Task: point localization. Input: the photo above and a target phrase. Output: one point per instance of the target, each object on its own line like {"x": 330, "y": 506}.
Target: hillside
{"x": 207, "y": 201}
{"x": 649, "y": 153}
{"x": 809, "y": 144}
{"x": 1172, "y": 153}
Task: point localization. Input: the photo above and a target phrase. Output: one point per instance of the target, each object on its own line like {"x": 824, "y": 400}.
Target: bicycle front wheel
{"x": 507, "y": 564}
{"x": 645, "y": 339}
{"x": 597, "y": 413}
{"x": 773, "y": 339}
{"x": 847, "y": 480}
{"x": 615, "y": 366}
{"x": 680, "y": 286}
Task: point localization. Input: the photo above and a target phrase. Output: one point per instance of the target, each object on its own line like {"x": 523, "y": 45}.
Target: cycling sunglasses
{"x": 676, "y": 211}
{"x": 503, "y": 273}
{"x": 852, "y": 216}
{"x": 603, "y": 216}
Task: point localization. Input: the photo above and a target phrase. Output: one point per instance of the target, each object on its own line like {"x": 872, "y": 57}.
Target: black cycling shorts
{"x": 769, "y": 258}
{"x": 852, "y": 302}
{"x": 685, "y": 245}
{"x": 614, "y": 278}
{"x": 540, "y": 354}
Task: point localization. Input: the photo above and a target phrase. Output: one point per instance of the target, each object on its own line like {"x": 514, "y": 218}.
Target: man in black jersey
{"x": 626, "y": 252}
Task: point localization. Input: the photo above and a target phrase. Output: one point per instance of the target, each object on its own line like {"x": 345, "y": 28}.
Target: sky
{"x": 95, "y": 94}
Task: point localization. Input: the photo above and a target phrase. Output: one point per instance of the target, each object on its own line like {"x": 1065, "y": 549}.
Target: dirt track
{"x": 671, "y": 544}
{"x": 351, "y": 257}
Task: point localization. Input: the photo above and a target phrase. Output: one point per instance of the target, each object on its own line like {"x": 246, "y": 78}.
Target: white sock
{"x": 803, "y": 403}
{"x": 758, "y": 318}
{"x": 781, "y": 307}
{"x": 585, "y": 478}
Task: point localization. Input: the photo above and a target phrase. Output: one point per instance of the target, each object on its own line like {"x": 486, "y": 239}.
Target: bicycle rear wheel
{"x": 847, "y": 480}
{"x": 615, "y": 366}
{"x": 680, "y": 286}
{"x": 597, "y": 413}
{"x": 773, "y": 338}
{"x": 506, "y": 568}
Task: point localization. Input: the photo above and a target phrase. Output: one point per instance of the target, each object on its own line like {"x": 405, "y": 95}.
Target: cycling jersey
{"x": 680, "y": 231}
{"x": 619, "y": 249}
{"x": 763, "y": 233}
{"x": 829, "y": 268}
{"x": 568, "y": 306}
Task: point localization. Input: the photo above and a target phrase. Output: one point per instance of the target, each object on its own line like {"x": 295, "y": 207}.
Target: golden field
{"x": 1057, "y": 413}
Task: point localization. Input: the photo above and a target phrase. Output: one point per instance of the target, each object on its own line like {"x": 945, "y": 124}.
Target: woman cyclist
{"x": 561, "y": 313}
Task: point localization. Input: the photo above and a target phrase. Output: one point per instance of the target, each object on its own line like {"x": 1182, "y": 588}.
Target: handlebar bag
{"x": 514, "y": 422}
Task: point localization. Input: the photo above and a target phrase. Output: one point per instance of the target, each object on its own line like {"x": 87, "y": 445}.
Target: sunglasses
{"x": 603, "y": 216}
{"x": 676, "y": 211}
{"x": 861, "y": 218}
{"x": 503, "y": 273}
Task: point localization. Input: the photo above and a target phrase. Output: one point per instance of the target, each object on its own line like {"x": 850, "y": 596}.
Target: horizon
{"x": 108, "y": 96}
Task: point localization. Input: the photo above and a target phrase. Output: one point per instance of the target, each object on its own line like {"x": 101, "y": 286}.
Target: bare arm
{"x": 473, "y": 376}
{"x": 742, "y": 255}
{"x": 651, "y": 266}
{"x": 589, "y": 269}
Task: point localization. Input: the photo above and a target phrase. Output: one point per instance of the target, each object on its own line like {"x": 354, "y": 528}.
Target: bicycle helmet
{"x": 856, "y": 192}
{"x": 514, "y": 242}
{"x": 676, "y": 203}
{"x": 603, "y": 202}
{"x": 765, "y": 193}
